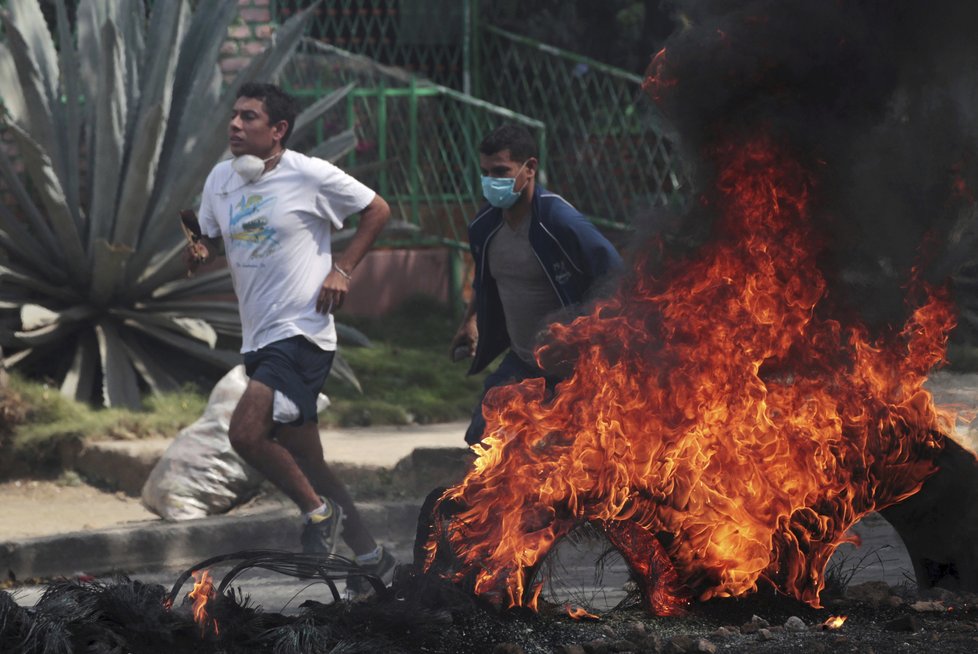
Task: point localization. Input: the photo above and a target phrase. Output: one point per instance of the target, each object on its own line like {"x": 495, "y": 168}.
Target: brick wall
{"x": 248, "y": 35}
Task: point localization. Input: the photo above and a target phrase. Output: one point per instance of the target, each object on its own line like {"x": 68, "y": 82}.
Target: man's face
{"x": 502, "y": 164}
{"x": 250, "y": 131}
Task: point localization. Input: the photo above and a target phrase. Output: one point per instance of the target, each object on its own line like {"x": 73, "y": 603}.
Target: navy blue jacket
{"x": 571, "y": 250}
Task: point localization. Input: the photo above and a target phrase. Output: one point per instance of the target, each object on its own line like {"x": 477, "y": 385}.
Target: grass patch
{"x": 52, "y": 414}
{"x": 406, "y": 376}
{"x": 50, "y": 422}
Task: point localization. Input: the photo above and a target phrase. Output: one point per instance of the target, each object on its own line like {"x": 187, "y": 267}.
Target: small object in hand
{"x": 191, "y": 226}
{"x": 461, "y": 352}
{"x": 191, "y": 230}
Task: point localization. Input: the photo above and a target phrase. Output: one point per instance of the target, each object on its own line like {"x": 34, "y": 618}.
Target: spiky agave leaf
{"x": 115, "y": 132}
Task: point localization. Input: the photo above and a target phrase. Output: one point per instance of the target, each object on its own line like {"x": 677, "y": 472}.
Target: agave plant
{"x": 115, "y": 125}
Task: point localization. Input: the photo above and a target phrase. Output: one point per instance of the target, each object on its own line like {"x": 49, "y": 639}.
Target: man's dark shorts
{"x": 296, "y": 367}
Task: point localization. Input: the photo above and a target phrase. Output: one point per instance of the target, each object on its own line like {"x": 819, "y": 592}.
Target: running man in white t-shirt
{"x": 272, "y": 211}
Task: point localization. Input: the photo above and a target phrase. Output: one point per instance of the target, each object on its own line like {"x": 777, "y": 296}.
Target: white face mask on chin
{"x": 251, "y": 167}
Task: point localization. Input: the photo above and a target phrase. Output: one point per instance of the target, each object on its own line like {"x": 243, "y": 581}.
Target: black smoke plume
{"x": 879, "y": 99}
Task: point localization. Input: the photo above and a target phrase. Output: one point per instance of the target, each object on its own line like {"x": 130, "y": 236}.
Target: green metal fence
{"x": 608, "y": 152}
{"x": 416, "y": 140}
{"x": 425, "y": 37}
{"x": 448, "y": 79}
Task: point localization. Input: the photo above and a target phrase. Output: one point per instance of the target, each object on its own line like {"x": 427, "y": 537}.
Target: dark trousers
{"x": 511, "y": 370}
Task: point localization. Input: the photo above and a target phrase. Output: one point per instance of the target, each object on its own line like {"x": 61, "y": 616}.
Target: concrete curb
{"x": 158, "y": 544}
{"x": 413, "y": 460}
{"x": 121, "y": 465}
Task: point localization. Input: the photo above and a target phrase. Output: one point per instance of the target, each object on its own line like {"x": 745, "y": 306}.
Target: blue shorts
{"x": 296, "y": 367}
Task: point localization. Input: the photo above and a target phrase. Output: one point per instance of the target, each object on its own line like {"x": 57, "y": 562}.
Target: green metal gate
{"x": 431, "y": 81}
{"x": 416, "y": 140}
{"x": 608, "y": 152}
{"x": 424, "y": 37}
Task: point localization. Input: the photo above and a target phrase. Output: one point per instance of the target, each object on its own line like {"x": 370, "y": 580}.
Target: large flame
{"x": 719, "y": 425}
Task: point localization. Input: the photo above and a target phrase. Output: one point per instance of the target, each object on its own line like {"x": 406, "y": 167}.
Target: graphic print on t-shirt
{"x": 250, "y": 229}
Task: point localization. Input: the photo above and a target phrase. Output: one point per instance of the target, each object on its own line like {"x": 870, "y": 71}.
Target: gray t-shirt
{"x": 526, "y": 293}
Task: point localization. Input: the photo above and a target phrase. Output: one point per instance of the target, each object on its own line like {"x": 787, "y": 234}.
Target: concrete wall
{"x": 386, "y": 278}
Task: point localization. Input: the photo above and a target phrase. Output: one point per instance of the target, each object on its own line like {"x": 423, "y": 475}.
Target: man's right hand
{"x": 196, "y": 253}
{"x": 464, "y": 343}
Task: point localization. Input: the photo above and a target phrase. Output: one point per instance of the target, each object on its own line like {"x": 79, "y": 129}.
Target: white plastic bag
{"x": 200, "y": 474}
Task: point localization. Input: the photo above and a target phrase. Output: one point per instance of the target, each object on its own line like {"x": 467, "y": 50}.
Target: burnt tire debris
{"x": 425, "y": 613}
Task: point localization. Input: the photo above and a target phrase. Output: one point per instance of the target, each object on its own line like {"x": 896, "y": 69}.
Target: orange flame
{"x": 202, "y": 593}
{"x": 580, "y": 613}
{"x": 834, "y": 622}
{"x": 719, "y": 425}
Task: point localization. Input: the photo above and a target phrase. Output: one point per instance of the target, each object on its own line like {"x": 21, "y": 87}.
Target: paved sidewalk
{"x": 125, "y": 465}
{"x": 38, "y": 550}
{"x": 385, "y": 446}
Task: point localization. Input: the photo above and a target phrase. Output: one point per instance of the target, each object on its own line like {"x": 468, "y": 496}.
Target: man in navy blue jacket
{"x": 534, "y": 254}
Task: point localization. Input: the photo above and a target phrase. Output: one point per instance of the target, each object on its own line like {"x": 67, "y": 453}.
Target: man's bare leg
{"x": 250, "y": 435}
{"x": 304, "y": 444}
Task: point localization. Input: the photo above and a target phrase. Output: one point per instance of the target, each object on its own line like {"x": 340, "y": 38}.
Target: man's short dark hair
{"x": 515, "y": 138}
{"x": 279, "y": 105}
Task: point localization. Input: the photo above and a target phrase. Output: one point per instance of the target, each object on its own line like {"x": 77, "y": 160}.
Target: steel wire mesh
{"x": 604, "y": 146}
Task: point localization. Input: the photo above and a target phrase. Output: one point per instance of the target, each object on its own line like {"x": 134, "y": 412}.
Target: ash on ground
{"x": 427, "y": 614}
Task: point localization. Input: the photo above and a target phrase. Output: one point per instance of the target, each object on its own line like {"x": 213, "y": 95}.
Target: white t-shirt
{"x": 277, "y": 237}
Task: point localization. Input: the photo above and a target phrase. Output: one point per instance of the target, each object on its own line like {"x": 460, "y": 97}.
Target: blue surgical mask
{"x": 499, "y": 191}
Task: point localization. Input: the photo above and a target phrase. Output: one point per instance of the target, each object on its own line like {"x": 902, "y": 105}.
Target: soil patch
{"x": 33, "y": 508}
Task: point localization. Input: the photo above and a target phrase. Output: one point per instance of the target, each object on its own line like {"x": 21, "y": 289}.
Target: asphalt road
{"x": 581, "y": 573}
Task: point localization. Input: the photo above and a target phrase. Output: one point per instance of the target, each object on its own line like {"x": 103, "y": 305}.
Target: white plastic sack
{"x": 200, "y": 474}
